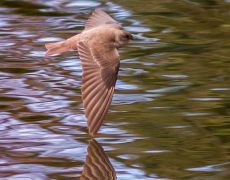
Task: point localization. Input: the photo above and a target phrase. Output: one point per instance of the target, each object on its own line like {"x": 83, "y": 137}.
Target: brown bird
{"x": 97, "y": 47}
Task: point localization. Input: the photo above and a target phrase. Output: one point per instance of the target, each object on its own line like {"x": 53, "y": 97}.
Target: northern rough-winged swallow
{"x": 97, "y": 47}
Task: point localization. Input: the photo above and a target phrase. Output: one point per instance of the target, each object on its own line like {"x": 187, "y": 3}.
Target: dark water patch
{"x": 36, "y": 118}
{"x": 167, "y": 14}
{"x": 16, "y": 70}
{"x": 5, "y": 99}
{"x": 22, "y": 4}
{"x": 28, "y": 8}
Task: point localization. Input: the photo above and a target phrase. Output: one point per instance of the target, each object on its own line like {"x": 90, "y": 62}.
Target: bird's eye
{"x": 128, "y": 36}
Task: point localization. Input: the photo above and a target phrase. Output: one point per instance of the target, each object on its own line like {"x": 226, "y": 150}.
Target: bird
{"x": 97, "y": 46}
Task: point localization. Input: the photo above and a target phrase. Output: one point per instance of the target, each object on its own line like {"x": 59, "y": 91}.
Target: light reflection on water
{"x": 170, "y": 113}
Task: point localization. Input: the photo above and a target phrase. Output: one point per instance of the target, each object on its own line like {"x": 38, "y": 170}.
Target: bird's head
{"x": 123, "y": 37}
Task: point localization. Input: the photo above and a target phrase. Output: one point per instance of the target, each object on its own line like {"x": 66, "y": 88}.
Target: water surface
{"x": 170, "y": 115}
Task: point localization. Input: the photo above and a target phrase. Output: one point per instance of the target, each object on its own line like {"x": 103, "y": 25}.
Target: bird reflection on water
{"x": 97, "y": 165}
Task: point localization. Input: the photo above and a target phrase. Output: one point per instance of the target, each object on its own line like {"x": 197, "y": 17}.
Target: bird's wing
{"x": 98, "y": 81}
{"x": 98, "y": 18}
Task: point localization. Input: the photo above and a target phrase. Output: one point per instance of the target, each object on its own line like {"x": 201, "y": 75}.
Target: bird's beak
{"x": 131, "y": 36}
{"x": 134, "y": 37}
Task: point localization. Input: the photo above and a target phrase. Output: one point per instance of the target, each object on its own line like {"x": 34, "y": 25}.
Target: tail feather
{"x": 69, "y": 44}
{"x": 56, "y": 48}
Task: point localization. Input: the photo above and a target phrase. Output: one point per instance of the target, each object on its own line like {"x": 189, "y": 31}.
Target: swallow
{"x": 97, "y": 46}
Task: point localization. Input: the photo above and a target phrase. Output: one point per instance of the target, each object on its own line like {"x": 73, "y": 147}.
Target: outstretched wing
{"x": 98, "y": 82}
{"x": 98, "y": 18}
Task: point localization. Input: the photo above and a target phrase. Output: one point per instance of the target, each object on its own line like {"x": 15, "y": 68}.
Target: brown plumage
{"x": 97, "y": 46}
{"x": 97, "y": 164}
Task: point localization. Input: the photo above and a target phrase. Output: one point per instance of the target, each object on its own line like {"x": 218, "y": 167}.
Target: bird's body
{"x": 97, "y": 47}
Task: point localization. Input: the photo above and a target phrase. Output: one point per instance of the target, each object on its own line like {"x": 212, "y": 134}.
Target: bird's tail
{"x": 56, "y": 48}
{"x": 69, "y": 44}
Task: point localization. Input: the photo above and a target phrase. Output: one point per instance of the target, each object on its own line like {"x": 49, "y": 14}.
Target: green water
{"x": 170, "y": 115}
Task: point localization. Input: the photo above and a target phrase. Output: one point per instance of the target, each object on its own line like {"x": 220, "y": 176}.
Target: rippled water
{"x": 171, "y": 112}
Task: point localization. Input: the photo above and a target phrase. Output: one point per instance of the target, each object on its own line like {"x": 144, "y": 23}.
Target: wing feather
{"x": 98, "y": 18}
{"x": 98, "y": 82}
{"x": 96, "y": 121}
